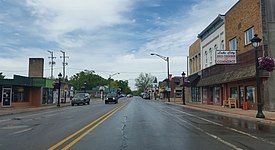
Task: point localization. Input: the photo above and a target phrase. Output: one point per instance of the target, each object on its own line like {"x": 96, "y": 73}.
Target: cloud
{"x": 62, "y": 17}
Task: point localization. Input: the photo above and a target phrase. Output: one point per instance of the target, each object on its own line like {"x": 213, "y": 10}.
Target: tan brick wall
{"x": 194, "y": 58}
{"x": 36, "y": 67}
{"x": 244, "y": 15}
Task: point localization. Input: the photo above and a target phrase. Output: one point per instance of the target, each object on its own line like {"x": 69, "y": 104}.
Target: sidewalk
{"x": 21, "y": 109}
{"x": 229, "y": 112}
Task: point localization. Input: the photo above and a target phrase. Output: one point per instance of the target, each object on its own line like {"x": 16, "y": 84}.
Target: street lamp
{"x": 85, "y": 84}
{"x": 110, "y": 76}
{"x": 256, "y": 43}
{"x": 168, "y": 82}
{"x": 59, "y": 86}
{"x": 183, "y": 88}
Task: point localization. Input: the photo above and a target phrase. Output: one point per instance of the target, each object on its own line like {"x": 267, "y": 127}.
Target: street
{"x": 132, "y": 124}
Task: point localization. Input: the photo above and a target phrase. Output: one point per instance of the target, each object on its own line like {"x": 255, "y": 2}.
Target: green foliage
{"x": 93, "y": 80}
{"x": 89, "y": 77}
{"x": 1, "y": 75}
{"x": 144, "y": 81}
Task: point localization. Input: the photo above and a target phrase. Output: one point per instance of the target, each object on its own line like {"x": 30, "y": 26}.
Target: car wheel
{"x": 116, "y": 102}
{"x": 72, "y": 104}
{"x": 84, "y": 103}
{"x": 78, "y": 104}
{"x": 106, "y": 102}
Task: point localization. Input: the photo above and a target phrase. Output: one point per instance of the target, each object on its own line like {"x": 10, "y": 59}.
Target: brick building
{"x": 220, "y": 82}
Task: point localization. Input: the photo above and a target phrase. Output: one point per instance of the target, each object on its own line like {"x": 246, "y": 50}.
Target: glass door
{"x": 241, "y": 96}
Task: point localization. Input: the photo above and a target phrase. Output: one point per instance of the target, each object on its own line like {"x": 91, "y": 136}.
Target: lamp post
{"x": 85, "y": 84}
{"x": 59, "y": 86}
{"x": 168, "y": 82}
{"x": 110, "y": 76}
{"x": 256, "y": 43}
{"x": 183, "y": 88}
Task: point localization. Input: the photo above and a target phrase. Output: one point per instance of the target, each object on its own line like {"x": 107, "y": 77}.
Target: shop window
{"x": 193, "y": 94}
{"x": 20, "y": 94}
{"x": 217, "y": 95}
{"x": 211, "y": 94}
{"x": 234, "y": 92}
{"x": 204, "y": 94}
{"x": 198, "y": 94}
{"x": 250, "y": 94}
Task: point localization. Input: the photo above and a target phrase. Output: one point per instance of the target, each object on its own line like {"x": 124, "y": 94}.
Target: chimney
{"x": 36, "y": 67}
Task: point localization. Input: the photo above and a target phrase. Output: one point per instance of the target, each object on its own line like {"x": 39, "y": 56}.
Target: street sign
{"x": 6, "y": 97}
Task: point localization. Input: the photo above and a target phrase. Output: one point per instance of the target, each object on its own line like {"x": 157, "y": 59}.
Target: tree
{"x": 144, "y": 81}
{"x": 89, "y": 77}
{"x": 1, "y": 75}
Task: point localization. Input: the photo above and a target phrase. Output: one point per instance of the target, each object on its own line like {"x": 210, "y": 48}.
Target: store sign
{"x": 6, "y": 97}
{"x": 226, "y": 57}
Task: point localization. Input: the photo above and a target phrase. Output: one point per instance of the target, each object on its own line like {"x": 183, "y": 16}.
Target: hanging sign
{"x": 226, "y": 57}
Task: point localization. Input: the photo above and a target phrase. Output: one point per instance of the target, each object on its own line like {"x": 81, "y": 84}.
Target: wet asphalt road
{"x": 133, "y": 124}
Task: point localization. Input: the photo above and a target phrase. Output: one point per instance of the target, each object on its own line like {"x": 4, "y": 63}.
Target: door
{"x": 241, "y": 97}
{"x": 6, "y": 97}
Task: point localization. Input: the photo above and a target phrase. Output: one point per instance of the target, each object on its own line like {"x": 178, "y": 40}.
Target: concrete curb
{"x": 266, "y": 121}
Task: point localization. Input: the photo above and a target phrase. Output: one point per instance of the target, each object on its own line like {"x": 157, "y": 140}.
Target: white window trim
{"x": 230, "y": 47}
{"x": 247, "y": 42}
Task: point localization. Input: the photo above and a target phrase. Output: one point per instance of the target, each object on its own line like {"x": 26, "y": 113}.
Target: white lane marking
{"x": 21, "y": 131}
{"x": 4, "y": 120}
{"x": 232, "y": 129}
{"x": 207, "y": 133}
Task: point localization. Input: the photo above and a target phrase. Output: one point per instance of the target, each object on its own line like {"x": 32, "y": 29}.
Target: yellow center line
{"x": 91, "y": 129}
{"x": 77, "y": 132}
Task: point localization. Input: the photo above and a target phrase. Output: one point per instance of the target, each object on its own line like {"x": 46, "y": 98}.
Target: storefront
{"x": 27, "y": 91}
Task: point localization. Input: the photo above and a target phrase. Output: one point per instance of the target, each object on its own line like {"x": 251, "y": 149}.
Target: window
{"x": 20, "y": 94}
{"x": 204, "y": 94}
{"x": 216, "y": 47}
{"x": 217, "y": 95}
{"x": 205, "y": 58}
{"x": 234, "y": 92}
{"x": 222, "y": 45}
{"x": 233, "y": 44}
{"x": 249, "y": 35}
{"x": 250, "y": 94}
{"x": 210, "y": 51}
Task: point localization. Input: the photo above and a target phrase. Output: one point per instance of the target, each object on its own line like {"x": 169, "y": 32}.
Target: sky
{"x": 106, "y": 36}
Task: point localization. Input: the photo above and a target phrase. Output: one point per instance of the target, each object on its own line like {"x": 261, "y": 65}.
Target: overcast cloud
{"x": 106, "y": 36}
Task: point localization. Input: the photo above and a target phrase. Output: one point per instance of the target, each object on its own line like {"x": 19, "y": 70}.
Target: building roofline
{"x": 216, "y": 20}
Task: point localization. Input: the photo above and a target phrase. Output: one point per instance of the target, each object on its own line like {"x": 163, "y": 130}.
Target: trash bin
{"x": 245, "y": 106}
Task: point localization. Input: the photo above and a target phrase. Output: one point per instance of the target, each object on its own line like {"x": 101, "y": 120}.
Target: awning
{"x": 229, "y": 76}
{"x": 193, "y": 79}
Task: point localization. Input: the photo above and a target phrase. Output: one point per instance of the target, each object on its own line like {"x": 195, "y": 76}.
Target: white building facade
{"x": 212, "y": 39}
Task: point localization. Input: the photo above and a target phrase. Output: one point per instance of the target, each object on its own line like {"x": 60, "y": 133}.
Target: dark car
{"x": 111, "y": 97}
{"x": 81, "y": 98}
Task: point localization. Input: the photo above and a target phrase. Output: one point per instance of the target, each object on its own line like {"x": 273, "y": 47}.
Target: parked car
{"x": 129, "y": 95}
{"x": 81, "y": 98}
{"x": 111, "y": 97}
{"x": 146, "y": 96}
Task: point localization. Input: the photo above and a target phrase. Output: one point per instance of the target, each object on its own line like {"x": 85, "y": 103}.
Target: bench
{"x": 231, "y": 102}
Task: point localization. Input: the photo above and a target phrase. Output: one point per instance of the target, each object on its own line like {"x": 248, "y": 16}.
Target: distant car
{"x": 81, "y": 98}
{"x": 129, "y": 95}
{"x": 111, "y": 97}
{"x": 146, "y": 96}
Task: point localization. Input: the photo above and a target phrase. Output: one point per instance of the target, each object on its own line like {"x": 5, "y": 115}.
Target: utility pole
{"x": 64, "y": 62}
{"x": 51, "y": 63}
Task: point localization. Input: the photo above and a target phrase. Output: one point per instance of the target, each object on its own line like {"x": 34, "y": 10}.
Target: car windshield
{"x": 111, "y": 95}
{"x": 82, "y": 95}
